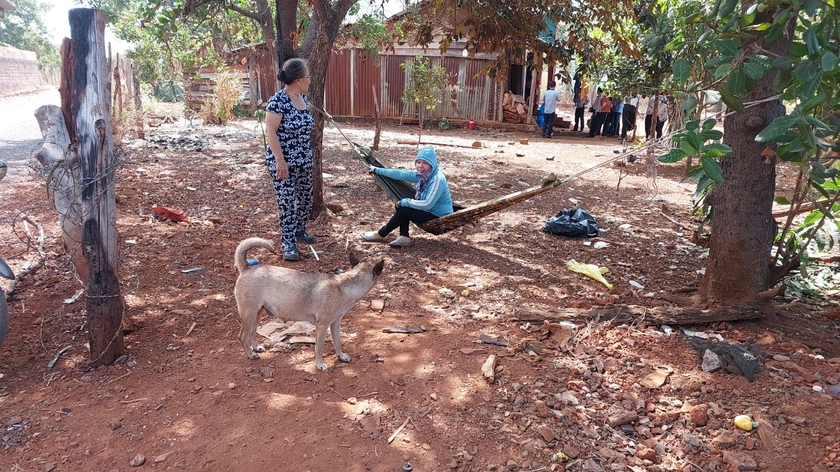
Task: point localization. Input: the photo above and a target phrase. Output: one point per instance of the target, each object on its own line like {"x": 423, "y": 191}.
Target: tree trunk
{"x": 317, "y": 49}
{"x": 64, "y": 176}
{"x": 90, "y": 99}
{"x": 743, "y": 227}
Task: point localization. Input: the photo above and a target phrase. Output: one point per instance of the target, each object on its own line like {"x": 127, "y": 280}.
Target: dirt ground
{"x": 565, "y": 396}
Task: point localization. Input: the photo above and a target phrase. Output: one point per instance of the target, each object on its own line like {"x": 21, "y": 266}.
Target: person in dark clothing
{"x": 289, "y": 124}
{"x": 580, "y": 110}
{"x": 628, "y": 115}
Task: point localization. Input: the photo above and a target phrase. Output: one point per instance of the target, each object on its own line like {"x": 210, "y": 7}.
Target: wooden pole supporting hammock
{"x": 463, "y": 215}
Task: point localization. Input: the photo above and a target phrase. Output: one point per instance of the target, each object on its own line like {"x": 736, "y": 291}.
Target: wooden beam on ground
{"x": 432, "y": 143}
{"x": 651, "y": 315}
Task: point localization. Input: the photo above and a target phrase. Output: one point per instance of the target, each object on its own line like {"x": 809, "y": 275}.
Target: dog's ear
{"x": 353, "y": 260}
{"x": 377, "y": 269}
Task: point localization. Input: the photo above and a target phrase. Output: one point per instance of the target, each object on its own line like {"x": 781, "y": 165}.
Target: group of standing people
{"x": 614, "y": 116}
{"x": 288, "y": 157}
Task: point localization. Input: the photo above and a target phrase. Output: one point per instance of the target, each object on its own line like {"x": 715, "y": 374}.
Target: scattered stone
{"x": 162, "y": 457}
{"x": 739, "y": 460}
{"x": 546, "y": 433}
{"x": 377, "y": 304}
{"x": 781, "y": 358}
{"x": 698, "y": 414}
{"x": 657, "y": 378}
{"x": 711, "y": 361}
{"x": 797, "y": 420}
{"x": 567, "y": 397}
{"x": 725, "y": 440}
{"x": 489, "y": 368}
{"x": 433, "y": 396}
{"x": 645, "y": 453}
{"x": 137, "y": 461}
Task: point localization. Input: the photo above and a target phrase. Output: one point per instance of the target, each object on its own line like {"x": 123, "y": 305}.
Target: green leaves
{"x": 695, "y": 142}
{"x": 726, "y": 47}
{"x": 726, "y": 8}
{"x": 681, "y": 69}
{"x": 777, "y": 128}
{"x": 811, "y": 42}
{"x": 712, "y": 169}
{"x": 829, "y": 61}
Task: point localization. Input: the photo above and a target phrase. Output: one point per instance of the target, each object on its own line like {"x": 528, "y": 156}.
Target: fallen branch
{"x": 653, "y": 315}
{"x": 29, "y": 266}
{"x": 126, "y": 402}
{"x": 393, "y": 436}
{"x": 432, "y": 143}
{"x": 684, "y": 228}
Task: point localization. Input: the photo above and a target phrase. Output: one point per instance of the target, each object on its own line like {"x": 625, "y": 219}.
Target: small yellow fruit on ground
{"x": 744, "y": 422}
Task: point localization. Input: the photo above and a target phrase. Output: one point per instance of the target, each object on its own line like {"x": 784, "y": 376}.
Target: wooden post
{"x": 378, "y": 120}
{"x": 138, "y": 105}
{"x": 117, "y": 108}
{"x": 90, "y": 99}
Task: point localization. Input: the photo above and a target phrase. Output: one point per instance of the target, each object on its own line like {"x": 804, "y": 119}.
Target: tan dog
{"x": 288, "y": 294}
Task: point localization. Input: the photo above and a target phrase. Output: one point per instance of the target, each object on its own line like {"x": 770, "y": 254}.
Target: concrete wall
{"x": 18, "y": 71}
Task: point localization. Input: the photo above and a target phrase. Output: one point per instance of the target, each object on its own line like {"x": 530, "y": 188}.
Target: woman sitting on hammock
{"x": 431, "y": 201}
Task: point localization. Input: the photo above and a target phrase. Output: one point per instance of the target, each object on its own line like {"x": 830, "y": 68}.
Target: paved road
{"x": 20, "y": 135}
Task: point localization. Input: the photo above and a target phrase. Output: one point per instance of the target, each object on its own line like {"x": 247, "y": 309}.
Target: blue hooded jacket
{"x": 435, "y": 198}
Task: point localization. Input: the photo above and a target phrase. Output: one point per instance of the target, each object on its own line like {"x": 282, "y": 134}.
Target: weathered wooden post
{"x": 138, "y": 104}
{"x": 90, "y": 100}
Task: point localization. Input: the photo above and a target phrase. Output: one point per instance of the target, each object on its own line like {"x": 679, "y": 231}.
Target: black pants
{"x": 597, "y": 123}
{"x": 579, "y": 119}
{"x": 659, "y": 126}
{"x": 610, "y": 128}
{"x": 548, "y": 124}
{"x": 628, "y": 121}
{"x": 402, "y": 217}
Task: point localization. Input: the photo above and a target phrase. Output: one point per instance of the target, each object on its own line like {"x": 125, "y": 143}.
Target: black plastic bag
{"x": 574, "y": 223}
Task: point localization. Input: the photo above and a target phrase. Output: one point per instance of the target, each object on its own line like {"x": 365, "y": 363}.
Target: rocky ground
{"x": 566, "y": 393}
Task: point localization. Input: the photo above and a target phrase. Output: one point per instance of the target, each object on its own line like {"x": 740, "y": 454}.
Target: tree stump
{"x": 61, "y": 168}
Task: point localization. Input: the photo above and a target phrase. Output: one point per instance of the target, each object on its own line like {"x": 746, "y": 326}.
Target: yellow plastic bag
{"x": 590, "y": 270}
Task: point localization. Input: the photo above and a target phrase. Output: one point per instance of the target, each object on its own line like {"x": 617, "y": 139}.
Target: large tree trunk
{"x": 316, "y": 48}
{"x": 743, "y": 226}
{"x": 90, "y": 98}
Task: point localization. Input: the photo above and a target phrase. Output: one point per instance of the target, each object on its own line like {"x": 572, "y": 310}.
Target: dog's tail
{"x": 240, "y": 257}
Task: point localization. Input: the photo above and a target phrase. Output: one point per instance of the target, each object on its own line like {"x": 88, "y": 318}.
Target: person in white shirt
{"x": 550, "y": 109}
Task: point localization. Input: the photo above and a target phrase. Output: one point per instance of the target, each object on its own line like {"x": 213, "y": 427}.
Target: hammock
{"x": 463, "y": 215}
{"x": 399, "y": 189}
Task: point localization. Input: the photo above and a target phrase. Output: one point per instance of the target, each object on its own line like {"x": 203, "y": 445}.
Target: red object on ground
{"x": 164, "y": 214}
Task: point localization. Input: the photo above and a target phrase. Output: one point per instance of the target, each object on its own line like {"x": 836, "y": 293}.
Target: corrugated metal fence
{"x": 354, "y": 71}
{"x": 355, "y": 82}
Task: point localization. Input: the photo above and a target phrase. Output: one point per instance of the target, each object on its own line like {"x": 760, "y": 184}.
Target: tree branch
{"x": 252, "y": 15}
